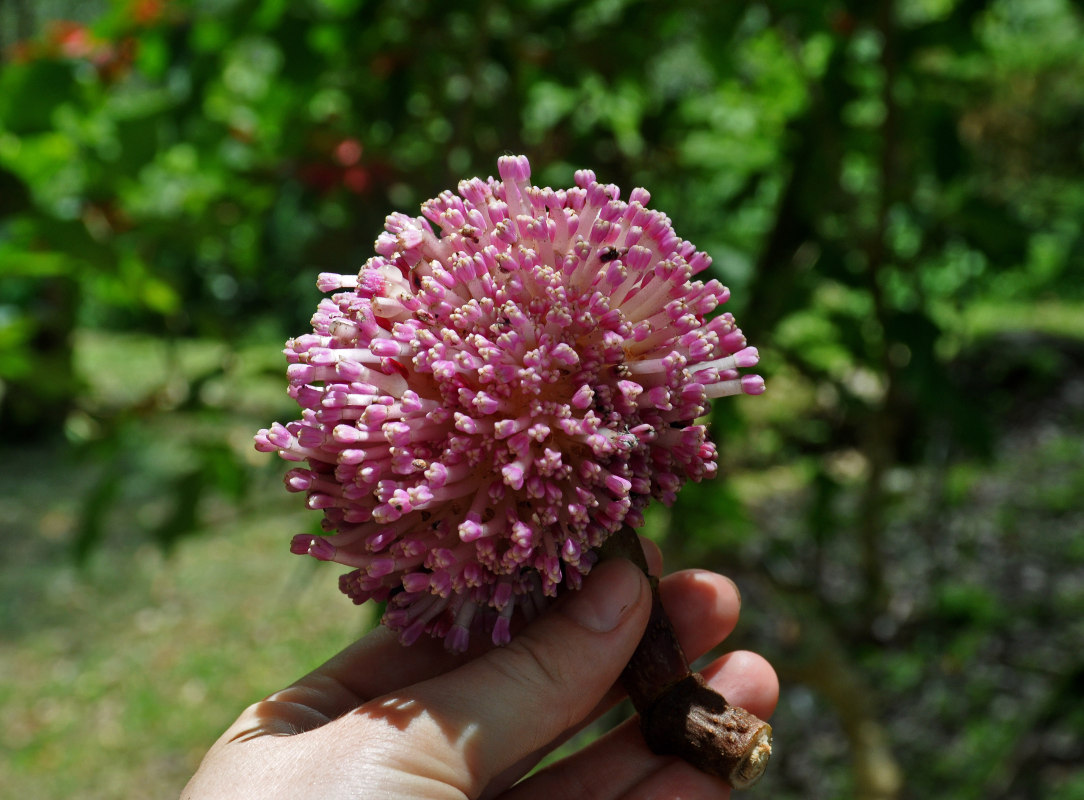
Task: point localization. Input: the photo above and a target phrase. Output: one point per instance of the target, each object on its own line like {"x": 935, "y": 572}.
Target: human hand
{"x": 383, "y": 721}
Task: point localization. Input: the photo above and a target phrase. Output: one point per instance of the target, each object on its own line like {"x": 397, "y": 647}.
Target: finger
{"x": 744, "y": 678}
{"x": 378, "y": 663}
{"x": 678, "y": 779}
{"x": 703, "y": 607}
{"x": 293, "y": 710}
{"x": 475, "y": 722}
{"x": 653, "y": 555}
{"x": 369, "y": 667}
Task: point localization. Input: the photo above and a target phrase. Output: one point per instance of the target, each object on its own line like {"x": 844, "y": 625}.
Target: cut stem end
{"x": 691, "y": 720}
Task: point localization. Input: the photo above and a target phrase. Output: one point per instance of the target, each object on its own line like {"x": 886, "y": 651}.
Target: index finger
{"x": 377, "y": 664}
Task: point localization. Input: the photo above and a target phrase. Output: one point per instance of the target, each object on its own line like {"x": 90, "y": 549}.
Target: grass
{"x": 119, "y": 675}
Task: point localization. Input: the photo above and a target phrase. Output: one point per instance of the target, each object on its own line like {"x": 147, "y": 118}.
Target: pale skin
{"x": 383, "y": 721}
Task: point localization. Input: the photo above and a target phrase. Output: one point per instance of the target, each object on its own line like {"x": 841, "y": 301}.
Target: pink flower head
{"x": 510, "y": 379}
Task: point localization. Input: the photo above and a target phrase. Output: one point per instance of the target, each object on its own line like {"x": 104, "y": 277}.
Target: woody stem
{"x": 679, "y": 713}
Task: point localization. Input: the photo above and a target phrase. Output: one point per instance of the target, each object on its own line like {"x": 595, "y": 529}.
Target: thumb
{"x": 517, "y": 699}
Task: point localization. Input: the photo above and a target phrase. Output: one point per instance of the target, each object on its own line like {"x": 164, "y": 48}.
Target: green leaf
{"x": 15, "y": 262}
{"x": 30, "y": 93}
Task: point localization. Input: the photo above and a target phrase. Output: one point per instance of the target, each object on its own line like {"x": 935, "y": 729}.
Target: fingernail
{"x": 737, "y": 591}
{"x": 612, "y": 588}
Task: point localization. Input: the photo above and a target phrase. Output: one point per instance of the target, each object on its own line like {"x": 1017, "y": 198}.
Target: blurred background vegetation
{"x": 893, "y": 189}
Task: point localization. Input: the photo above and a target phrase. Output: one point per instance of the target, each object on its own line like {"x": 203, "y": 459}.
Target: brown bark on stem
{"x": 680, "y": 714}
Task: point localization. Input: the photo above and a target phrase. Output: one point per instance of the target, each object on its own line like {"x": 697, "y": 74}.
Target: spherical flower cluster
{"x": 510, "y": 379}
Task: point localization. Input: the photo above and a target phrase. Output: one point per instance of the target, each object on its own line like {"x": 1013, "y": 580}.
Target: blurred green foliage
{"x": 894, "y": 190}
